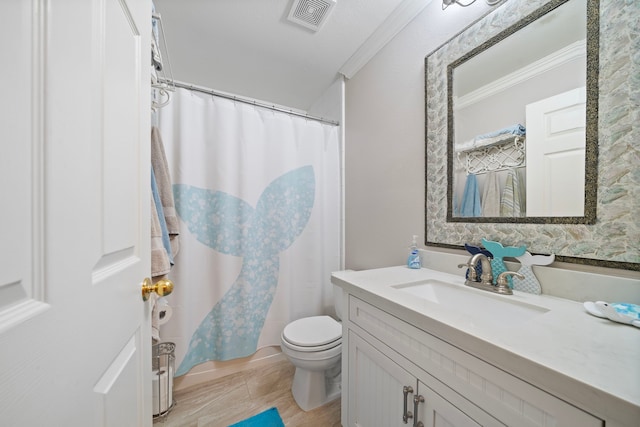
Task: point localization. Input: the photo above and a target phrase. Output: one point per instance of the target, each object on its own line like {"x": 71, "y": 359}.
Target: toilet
{"x": 314, "y": 346}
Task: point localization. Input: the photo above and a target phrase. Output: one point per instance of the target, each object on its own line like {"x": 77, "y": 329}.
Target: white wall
{"x": 330, "y": 105}
{"x": 385, "y": 185}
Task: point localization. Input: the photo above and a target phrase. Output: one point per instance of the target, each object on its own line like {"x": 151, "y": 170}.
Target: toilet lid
{"x": 313, "y": 331}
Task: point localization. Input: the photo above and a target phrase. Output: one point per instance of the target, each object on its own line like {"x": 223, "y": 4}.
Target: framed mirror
{"x": 600, "y": 231}
{"x": 518, "y": 106}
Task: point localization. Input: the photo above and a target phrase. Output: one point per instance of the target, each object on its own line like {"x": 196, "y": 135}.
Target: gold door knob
{"x": 162, "y": 287}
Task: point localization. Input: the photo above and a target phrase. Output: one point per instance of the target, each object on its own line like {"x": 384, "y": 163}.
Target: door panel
{"x": 437, "y": 412}
{"x": 116, "y": 384}
{"x": 443, "y": 407}
{"x": 75, "y": 186}
{"x": 376, "y": 387}
{"x": 21, "y": 286}
{"x": 556, "y": 155}
{"x": 121, "y": 127}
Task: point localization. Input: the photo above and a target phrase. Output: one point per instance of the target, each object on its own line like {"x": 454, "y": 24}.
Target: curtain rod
{"x": 252, "y": 102}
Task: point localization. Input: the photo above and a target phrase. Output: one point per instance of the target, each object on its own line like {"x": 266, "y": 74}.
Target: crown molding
{"x": 399, "y": 18}
{"x": 569, "y": 53}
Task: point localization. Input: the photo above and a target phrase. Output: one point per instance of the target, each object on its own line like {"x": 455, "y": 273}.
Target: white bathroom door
{"x": 74, "y": 184}
{"x": 555, "y": 151}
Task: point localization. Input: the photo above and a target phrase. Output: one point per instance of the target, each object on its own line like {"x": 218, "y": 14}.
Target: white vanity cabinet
{"x": 382, "y": 354}
{"x": 390, "y": 391}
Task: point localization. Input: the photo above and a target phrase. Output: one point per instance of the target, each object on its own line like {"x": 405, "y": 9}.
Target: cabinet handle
{"x": 406, "y": 415}
{"x": 416, "y": 401}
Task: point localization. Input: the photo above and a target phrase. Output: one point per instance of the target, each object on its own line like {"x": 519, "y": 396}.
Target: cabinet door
{"x": 375, "y": 387}
{"x": 435, "y": 411}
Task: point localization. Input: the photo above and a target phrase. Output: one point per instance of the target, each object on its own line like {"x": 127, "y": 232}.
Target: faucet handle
{"x": 471, "y": 271}
{"x": 502, "y": 283}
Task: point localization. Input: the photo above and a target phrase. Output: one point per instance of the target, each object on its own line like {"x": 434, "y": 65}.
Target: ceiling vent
{"x": 311, "y": 14}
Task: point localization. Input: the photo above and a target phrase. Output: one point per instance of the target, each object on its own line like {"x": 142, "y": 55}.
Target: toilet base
{"x": 312, "y": 389}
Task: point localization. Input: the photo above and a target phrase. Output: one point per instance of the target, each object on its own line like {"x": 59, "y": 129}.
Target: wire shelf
{"x": 505, "y": 155}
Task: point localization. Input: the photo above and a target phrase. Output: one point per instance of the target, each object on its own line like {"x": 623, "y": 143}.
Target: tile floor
{"x": 238, "y": 396}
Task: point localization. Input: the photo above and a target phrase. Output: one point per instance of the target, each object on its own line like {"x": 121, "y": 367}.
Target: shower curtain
{"x": 257, "y": 193}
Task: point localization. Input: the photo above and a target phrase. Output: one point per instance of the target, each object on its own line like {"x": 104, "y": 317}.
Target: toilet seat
{"x": 312, "y": 334}
{"x": 311, "y": 349}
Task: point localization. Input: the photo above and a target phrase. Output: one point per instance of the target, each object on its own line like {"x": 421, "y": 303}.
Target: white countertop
{"x": 591, "y": 362}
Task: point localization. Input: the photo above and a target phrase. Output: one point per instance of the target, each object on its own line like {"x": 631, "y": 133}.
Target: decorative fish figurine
{"x": 477, "y": 250}
{"x": 499, "y": 252}
{"x": 530, "y": 283}
{"x": 231, "y": 226}
{"x": 620, "y": 312}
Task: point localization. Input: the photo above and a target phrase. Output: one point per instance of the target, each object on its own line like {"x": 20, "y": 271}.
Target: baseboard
{"x": 213, "y": 370}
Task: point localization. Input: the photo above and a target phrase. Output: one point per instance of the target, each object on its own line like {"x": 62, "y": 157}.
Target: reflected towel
{"x": 460, "y": 147}
{"x": 516, "y": 129}
{"x": 470, "y": 205}
{"x": 491, "y": 196}
{"x": 480, "y": 142}
{"x": 513, "y": 203}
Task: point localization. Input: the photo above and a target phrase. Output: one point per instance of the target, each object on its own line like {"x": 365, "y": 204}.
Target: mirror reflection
{"x": 517, "y": 121}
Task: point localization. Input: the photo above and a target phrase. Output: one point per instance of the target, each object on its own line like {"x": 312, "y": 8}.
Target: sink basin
{"x": 478, "y": 306}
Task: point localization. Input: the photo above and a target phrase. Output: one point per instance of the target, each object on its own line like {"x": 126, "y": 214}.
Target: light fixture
{"x": 447, "y": 3}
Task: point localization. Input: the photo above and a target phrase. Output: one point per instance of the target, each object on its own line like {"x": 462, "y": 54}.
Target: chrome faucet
{"x": 502, "y": 284}
{"x": 486, "y": 278}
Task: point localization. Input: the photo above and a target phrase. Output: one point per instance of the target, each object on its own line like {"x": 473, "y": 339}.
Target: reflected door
{"x": 555, "y": 154}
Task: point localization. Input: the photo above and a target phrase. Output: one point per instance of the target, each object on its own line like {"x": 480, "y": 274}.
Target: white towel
{"x": 491, "y": 196}
{"x": 512, "y": 203}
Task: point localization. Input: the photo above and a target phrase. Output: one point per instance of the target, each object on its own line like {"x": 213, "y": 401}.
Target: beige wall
{"x": 384, "y": 134}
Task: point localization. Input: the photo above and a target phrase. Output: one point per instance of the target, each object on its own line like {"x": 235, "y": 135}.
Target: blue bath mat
{"x": 268, "y": 418}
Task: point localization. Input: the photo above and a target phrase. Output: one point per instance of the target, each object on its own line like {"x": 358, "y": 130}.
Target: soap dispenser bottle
{"x": 414, "y": 261}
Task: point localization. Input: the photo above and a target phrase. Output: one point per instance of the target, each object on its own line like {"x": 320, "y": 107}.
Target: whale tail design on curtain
{"x": 230, "y": 225}
{"x": 258, "y": 196}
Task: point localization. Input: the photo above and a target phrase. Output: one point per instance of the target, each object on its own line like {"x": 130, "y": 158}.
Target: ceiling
{"x": 250, "y": 48}
{"x": 561, "y": 27}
